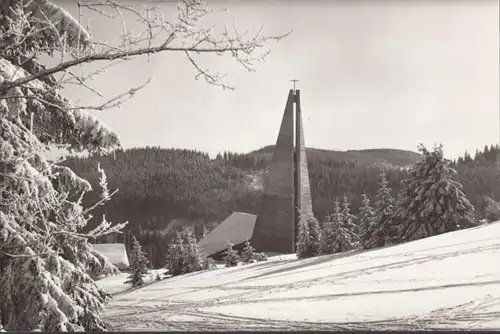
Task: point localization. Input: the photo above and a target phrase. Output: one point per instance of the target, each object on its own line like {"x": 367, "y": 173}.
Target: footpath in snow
{"x": 447, "y": 281}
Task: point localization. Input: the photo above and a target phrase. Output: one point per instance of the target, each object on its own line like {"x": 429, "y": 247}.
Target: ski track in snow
{"x": 450, "y": 281}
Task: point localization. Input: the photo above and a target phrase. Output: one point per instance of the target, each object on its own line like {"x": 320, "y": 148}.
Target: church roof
{"x": 116, "y": 254}
{"x": 237, "y": 228}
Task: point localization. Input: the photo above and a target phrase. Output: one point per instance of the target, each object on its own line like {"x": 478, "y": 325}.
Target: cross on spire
{"x": 294, "y": 82}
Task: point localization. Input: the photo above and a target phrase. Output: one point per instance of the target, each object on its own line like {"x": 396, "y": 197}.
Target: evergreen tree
{"x": 367, "y": 223}
{"x": 308, "y": 239}
{"x": 336, "y": 236}
{"x": 176, "y": 256}
{"x": 138, "y": 265}
{"x": 432, "y": 203}
{"x": 314, "y": 235}
{"x": 45, "y": 257}
{"x": 194, "y": 255}
{"x": 384, "y": 230}
{"x": 303, "y": 239}
{"x": 329, "y": 230}
{"x": 349, "y": 221}
{"x": 231, "y": 257}
{"x": 248, "y": 253}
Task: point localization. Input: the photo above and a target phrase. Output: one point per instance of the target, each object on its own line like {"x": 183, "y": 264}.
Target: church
{"x": 287, "y": 194}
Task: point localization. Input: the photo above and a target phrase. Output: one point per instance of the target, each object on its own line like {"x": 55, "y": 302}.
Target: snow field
{"x": 447, "y": 281}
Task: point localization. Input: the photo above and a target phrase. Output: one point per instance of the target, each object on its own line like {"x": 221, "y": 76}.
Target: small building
{"x": 237, "y": 229}
{"x": 115, "y": 252}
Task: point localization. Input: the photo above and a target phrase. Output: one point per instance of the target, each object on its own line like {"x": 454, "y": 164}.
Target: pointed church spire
{"x": 287, "y": 187}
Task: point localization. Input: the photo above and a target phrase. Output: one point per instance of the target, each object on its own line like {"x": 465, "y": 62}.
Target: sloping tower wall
{"x": 273, "y": 230}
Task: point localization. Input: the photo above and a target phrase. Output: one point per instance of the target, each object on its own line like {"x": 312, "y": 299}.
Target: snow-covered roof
{"x": 237, "y": 228}
{"x": 116, "y": 254}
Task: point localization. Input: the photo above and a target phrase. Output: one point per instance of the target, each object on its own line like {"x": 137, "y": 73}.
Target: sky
{"x": 373, "y": 74}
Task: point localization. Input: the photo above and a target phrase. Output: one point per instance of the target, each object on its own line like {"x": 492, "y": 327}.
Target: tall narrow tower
{"x": 286, "y": 187}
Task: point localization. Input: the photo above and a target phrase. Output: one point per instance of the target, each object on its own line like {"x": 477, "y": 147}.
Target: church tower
{"x": 286, "y": 188}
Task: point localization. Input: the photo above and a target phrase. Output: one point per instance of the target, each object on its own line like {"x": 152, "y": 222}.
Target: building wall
{"x": 273, "y": 230}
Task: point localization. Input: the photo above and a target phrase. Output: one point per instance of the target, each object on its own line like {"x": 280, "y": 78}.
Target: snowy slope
{"x": 448, "y": 281}
{"x": 116, "y": 283}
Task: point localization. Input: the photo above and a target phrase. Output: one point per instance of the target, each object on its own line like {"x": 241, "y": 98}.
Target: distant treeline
{"x": 157, "y": 185}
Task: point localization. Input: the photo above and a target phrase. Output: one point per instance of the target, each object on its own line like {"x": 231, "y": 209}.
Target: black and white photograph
{"x": 249, "y": 165}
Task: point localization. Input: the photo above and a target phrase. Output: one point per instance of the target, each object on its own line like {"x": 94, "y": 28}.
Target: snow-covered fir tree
{"x": 308, "y": 239}
{"x": 329, "y": 230}
{"x": 231, "y": 257}
{"x": 184, "y": 255}
{"x": 367, "y": 222}
{"x": 248, "y": 253}
{"x": 335, "y": 236}
{"x": 194, "y": 255}
{"x": 349, "y": 221}
{"x": 431, "y": 202}
{"x": 303, "y": 238}
{"x": 45, "y": 259}
{"x": 384, "y": 230}
{"x": 176, "y": 256}
{"x": 138, "y": 264}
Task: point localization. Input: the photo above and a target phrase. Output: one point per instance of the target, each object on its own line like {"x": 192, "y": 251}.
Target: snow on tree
{"x": 492, "y": 209}
{"x": 336, "y": 236}
{"x": 303, "y": 238}
{"x": 329, "y": 230}
{"x": 384, "y": 232}
{"x": 349, "y": 221}
{"x": 183, "y": 255}
{"x": 138, "y": 264}
{"x": 176, "y": 256}
{"x": 431, "y": 202}
{"x": 367, "y": 222}
{"x": 308, "y": 239}
{"x": 314, "y": 235}
{"x": 45, "y": 256}
{"x": 194, "y": 255}
{"x": 248, "y": 253}
{"x": 231, "y": 257}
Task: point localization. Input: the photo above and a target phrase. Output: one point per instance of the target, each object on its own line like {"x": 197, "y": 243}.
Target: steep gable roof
{"x": 116, "y": 254}
{"x": 237, "y": 228}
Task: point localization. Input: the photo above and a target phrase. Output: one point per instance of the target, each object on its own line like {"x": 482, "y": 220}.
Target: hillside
{"x": 368, "y": 156}
{"x": 159, "y": 186}
{"x": 442, "y": 282}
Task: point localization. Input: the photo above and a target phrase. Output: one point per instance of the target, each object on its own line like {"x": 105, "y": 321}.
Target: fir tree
{"x": 314, "y": 235}
{"x": 336, "y": 236}
{"x": 366, "y": 223}
{"x": 329, "y": 230}
{"x": 349, "y": 221}
{"x": 231, "y": 257}
{"x": 194, "y": 256}
{"x": 384, "y": 232}
{"x": 308, "y": 240}
{"x": 432, "y": 203}
{"x": 248, "y": 253}
{"x": 303, "y": 238}
{"x": 138, "y": 265}
{"x": 176, "y": 256}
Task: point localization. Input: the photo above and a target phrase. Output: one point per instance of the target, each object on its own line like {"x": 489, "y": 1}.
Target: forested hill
{"x": 157, "y": 185}
{"x": 384, "y": 156}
